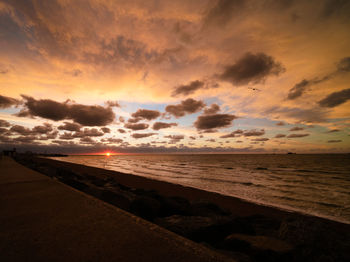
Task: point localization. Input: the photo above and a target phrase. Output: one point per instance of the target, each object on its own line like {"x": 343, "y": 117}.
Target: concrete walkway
{"x": 44, "y": 220}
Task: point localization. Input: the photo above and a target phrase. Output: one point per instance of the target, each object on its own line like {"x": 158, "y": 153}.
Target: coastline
{"x": 292, "y": 228}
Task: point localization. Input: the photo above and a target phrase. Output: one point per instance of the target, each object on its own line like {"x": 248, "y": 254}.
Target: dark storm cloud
{"x": 44, "y": 129}
{"x": 146, "y": 114}
{"x": 142, "y": 135}
{"x": 254, "y": 132}
{"x": 297, "y": 135}
{"x": 6, "y": 101}
{"x": 188, "y": 106}
{"x": 139, "y": 126}
{"x": 186, "y": 90}
{"x": 83, "y": 114}
{"x": 335, "y": 99}
{"x": 4, "y": 123}
{"x": 161, "y": 125}
{"x": 70, "y": 126}
{"x": 213, "y": 109}
{"x": 252, "y": 68}
{"x": 296, "y": 128}
{"x": 121, "y": 131}
{"x": 223, "y": 11}
{"x": 214, "y": 121}
{"x": 21, "y": 130}
{"x": 334, "y": 141}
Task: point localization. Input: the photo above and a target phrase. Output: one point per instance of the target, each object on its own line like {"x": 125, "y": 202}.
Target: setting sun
{"x": 108, "y": 154}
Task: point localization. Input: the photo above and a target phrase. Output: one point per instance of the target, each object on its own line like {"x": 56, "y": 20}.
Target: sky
{"x": 230, "y": 76}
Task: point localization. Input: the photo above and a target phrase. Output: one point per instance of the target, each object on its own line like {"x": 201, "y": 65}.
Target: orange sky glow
{"x": 242, "y": 76}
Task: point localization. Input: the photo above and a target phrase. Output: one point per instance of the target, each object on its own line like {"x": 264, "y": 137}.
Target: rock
{"x": 241, "y": 225}
{"x": 264, "y": 225}
{"x": 198, "y": 228}
{"x": 205, "y": 208}
{"x": 174, "y": 206}
{"x": 145, "y": 207}
{"x": 115, "y": 198}
{"x": 261, "y": 242}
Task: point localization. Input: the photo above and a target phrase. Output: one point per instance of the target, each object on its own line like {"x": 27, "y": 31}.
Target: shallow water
{"x": 313, "y": 184}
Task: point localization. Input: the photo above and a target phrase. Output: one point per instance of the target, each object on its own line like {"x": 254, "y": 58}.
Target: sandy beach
{"x": 243, "y": 230}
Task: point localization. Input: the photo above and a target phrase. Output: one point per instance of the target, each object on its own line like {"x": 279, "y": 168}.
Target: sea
{"x": 316, "y": 184}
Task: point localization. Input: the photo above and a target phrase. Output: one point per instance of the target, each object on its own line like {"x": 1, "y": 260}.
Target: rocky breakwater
{"x": 293, "y": 237}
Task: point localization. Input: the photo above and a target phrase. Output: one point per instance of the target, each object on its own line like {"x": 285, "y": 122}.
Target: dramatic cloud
{"x": 161, "y": 125}
{"x": 280, "y": 124}
{"x": 254, "y": 132}
{"x": 142, "y": 135}
{"x": 112, "y": 103}
{"x": 236, "y": 133}
{"x": 122, "y": 131}
{"x": 344, "y": 65}
{"x": 44, "y": 129}
{"x": 223, "y": 11}
{"x": 88, "y": 132}
{"x": 106, "y": 130}
{"x": 140, "y": 126}
{"x": 297, "y": 90}
{"x": 213, "y": 109}
{"x": 280, "y": 135}
{"x": 21, "y": 130}
{"x": 87, "y": 140}
{"x": 296, "y": 128}
{"x": 252, "y": 68}
{"x": 312, "y": 115}
{"x": 174, "y": 138}
{"x": 134, "y": 120}
{"x": 146, "y": 114}
{"x": 70, "y": 126}
{"x": 82, "y": 114}
{"x": 6, "y": 102}
{"x": 263, "y": 139}
{"x": 4, "y": 123}
{"x": 335, "y": 99}
{"x": 112, "y": 140}
{"x": 297, "y": 135}
{"x": 214, "y": 121}
{"x": 188, "y": 106}
{"x": 188, "y": 89}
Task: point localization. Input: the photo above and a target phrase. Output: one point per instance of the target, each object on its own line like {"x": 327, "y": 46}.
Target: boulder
{"x": 145, "y": 207}
{"x": 174, "y": 206}
{"x": 198, "y": 228}
{"x": 206, "y": 208}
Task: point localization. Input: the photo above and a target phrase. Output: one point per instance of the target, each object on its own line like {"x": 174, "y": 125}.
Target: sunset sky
{"x": 86, "y": 76}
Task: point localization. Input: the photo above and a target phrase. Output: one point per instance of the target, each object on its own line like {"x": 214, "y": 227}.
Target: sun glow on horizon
{"x": 108, "y": 154}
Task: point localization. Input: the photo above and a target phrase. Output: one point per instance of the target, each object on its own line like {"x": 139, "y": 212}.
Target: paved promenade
{"x": 44, "y": 220}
